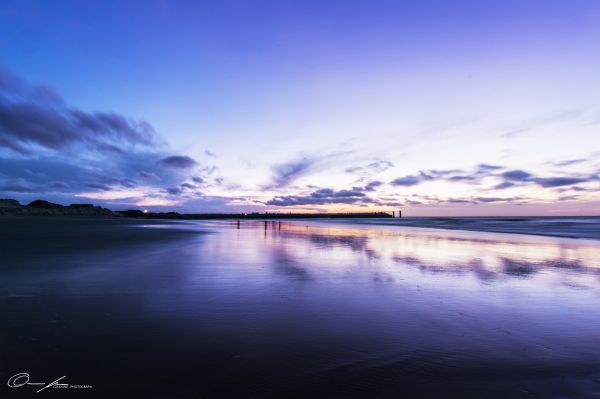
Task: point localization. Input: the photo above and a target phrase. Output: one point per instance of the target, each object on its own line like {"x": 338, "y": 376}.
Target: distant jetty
{"x": 11, "y": 207}
{"x": 256, "y": 215}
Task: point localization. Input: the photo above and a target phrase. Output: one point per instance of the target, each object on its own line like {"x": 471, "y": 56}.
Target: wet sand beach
{"x": 295, "y": 309}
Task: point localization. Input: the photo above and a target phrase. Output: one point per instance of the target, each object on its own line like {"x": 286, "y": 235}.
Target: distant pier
{"x": 242, "y": 216}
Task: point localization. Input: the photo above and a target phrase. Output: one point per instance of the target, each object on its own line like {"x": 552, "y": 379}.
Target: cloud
{"x": 473, "y": 200}
{"x": 128, "y": 183}
{"x": 17, "y": 186}
{"x": 56, "y": 151}
{"x": 452, "y": 175}
{"x": 208, "y": 170}
{"x": 33, "y": 115}
{"x": 492, "y": 199}
{"x": 287, "y": 172}
{"x": 569, "y": 162}
{"x": 148, "y": 175}
{"x": 59, "y": 184}
{"x": 178, "y": 161}
{"x": 321, "y": 197}
{"x": 101, "y": 187}
{"x": 174, "y": 190}
{"x": 372, "y": 185}
{"x": 487, "y": 167}
{"x": 568, "y": 198}
{"x": 512, "y": 177}
{"x": 407, "y": 181}
{"x": 373, "y": 167}
{"x": 558, "y": 181}
{"x": 516, "y": 175}
{"x": 504, "y": 185}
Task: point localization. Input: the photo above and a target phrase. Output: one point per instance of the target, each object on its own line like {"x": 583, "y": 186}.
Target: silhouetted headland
{"x": 11, "y": 207}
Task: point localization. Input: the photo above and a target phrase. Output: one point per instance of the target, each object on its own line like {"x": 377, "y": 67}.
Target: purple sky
{"x": 433, "y": 107}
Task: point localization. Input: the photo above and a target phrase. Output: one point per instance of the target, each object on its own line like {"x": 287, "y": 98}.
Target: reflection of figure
{"x": 238, "y": 224}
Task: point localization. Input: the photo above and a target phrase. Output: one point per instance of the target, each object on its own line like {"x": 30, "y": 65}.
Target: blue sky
{"x": 435, "y": 107}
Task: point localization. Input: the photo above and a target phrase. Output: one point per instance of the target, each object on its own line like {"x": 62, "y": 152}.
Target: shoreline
{"x": 571, "y": 227}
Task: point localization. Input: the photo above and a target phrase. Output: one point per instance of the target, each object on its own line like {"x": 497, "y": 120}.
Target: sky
{"x": 433, "y": 107}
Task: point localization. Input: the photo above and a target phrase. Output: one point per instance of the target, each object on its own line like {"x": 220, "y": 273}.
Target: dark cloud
{"x": 59, "y": 151}
{"x": 197, "y": 179}
{"x": 36, "y": 116}
{"x": 407, "y": 181}
{"x": 504, "y": 185}
{"x": 507, "y": 179}
{"x": 44, "y": 141}
{"x": 432, "y": 200}
{"x": 372, "y": 185}
{"x": 456, "y": 201}
{"x": 101, "y": 187}
{"x": 516, "y": 175}
{"x": 451, "y": 175}
{"x": 558, "y": 181}
{"x": 575, "y": 188}
{"x": 184, "y": 190}
{"x": 178, "y": 161}
{"x": 512, "y": 178}
{"x": 441, "y": 172}
{"x": 486, "y": 200}
{"x": 321, "y": 197}
{"x": 17, "y": 186}
{"x": 173, "y": 190}
{"x": 488, "y": 167}
{"x": 463, "y": 178}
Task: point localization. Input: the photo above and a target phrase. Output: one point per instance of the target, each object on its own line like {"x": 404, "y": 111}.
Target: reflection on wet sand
{"x": 301, "y": 309}
{"x": 487, "y": 255}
